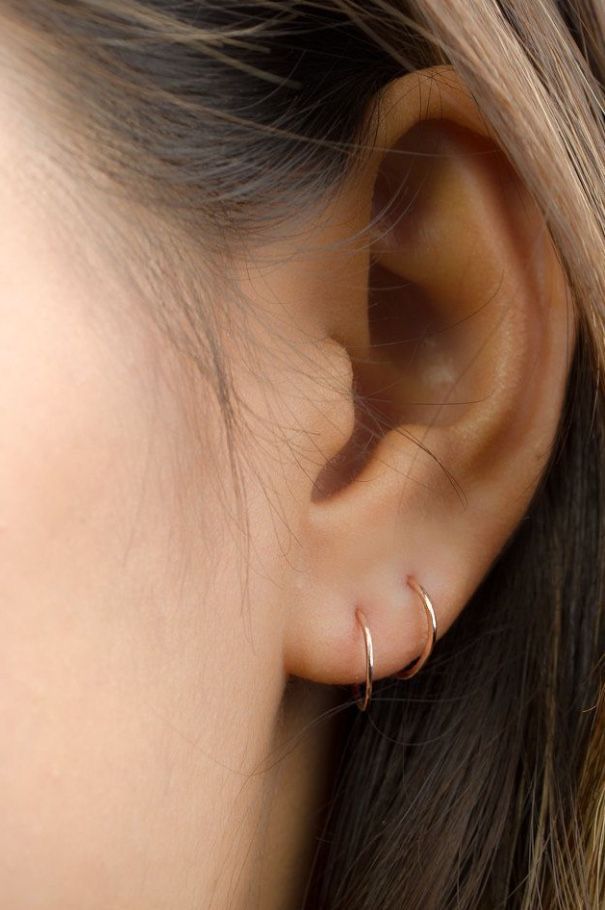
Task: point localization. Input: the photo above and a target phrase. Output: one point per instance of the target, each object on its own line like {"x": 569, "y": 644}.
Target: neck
{"x": 300, "y": 766}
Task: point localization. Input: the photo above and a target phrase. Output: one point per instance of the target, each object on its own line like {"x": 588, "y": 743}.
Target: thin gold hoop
{"x": 362, "y": 702}
{"x": 431, "y": 624}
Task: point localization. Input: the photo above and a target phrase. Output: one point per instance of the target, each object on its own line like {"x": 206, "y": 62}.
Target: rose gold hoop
{"x": 362, "y": 702}
{"x": 431, "y": 624}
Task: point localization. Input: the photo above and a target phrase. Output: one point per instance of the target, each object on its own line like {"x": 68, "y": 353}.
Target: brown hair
{"x": 480, "y": 783}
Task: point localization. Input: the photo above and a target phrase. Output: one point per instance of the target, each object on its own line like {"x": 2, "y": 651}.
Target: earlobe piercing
{"x": 431, "y": 623}
{"x": 363, "y": 700}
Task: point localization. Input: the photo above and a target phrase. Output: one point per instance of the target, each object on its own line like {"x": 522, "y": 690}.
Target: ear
{"x": 460, "y": 356}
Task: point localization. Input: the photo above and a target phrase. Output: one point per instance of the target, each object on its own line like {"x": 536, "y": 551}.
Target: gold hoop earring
{"x": 431, "y": 623}
{"x": 362, "y": 702}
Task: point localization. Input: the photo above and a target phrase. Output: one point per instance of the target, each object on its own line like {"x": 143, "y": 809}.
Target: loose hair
{"x": 479, "y": 784}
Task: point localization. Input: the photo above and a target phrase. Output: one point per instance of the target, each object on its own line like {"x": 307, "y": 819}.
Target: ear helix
{"x": 362, "y": 700}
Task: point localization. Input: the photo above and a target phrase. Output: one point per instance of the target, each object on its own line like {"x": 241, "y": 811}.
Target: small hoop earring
{"x": 362, "y": 702}
{"x": 431, "y": 623}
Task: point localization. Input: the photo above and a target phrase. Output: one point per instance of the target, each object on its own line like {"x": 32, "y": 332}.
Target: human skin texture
{"x": 137, "y": 695}
{"x": 150, "y": 746}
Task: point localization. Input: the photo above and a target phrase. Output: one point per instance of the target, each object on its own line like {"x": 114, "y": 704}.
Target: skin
{"x": 155, "y": 754}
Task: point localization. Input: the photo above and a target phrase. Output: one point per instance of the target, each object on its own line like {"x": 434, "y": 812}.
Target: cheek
{"x": 114, "y": 623}
{"x": 76, "y": 441}
{"x": 76, "y": 417}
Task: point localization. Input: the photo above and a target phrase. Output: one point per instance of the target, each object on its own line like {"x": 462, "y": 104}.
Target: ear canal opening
{"x": 386, "y": 394}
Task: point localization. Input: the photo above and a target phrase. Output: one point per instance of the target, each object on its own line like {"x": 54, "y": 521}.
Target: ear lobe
{"x": 462, "y": 384}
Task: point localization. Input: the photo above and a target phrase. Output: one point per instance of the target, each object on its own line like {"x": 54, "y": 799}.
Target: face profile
{"x": 302, "y": 442}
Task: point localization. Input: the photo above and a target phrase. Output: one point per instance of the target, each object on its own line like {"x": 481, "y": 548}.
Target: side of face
{"x": 141, "y": 678}
{"x": 137, "y": 689}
